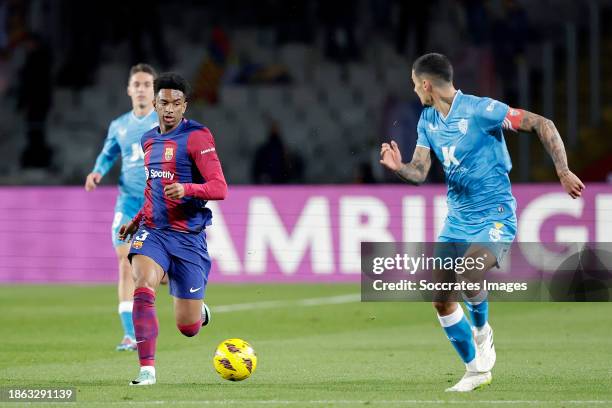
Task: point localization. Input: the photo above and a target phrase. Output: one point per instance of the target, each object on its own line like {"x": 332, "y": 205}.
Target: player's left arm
{"x": 519, "y": 120}
{"x": 201, "y": 149}
{"x": 105, "y": 160}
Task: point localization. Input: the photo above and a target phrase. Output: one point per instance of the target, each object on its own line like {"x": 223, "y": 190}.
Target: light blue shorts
{"x": 126, "y": 208}
{"x": 495, "y": 235}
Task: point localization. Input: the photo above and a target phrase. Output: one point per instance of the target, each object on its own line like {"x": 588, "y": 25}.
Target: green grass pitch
{"x": 333, "y": 351}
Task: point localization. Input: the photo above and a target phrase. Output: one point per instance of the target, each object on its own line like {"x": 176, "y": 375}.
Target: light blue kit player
{"x": 123, "y": 140}
{"x": 465, "y": 133}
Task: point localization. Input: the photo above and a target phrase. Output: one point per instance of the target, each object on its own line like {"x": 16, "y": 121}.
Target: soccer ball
{"x": 235, "y": 360}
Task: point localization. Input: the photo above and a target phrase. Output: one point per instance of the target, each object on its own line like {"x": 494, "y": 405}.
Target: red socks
{"x": 146, "y": 325}
{"x": 190, "y": 330}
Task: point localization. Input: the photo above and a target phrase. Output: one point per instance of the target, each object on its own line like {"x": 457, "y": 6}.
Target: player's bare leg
{"x": 147, "y": 275}
{"x": 190, "y": 315}
{"x": 125, "y": 293}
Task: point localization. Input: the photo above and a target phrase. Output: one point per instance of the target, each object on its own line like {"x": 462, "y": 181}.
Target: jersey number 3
{"x": 142, "y": 236}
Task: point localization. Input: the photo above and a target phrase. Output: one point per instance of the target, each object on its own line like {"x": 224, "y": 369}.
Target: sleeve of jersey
{"x": 201, "y": 148}
{"x": 422, "y": 140}
{"x": 109, "y": 153}
{"x": 490, "y": 114}
{"x": 138, "y": 217}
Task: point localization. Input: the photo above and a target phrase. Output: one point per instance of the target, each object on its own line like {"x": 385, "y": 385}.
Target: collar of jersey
{"x": 142, "y": 118}
{"x": 173, "y": 132}
{"x": 444, "y": 118}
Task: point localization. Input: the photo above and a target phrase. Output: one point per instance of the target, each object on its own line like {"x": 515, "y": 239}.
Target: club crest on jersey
{"x": 137, "y": 244}
{"x": 463, "y": 126}
{"x": 169, "y": 153}
{"x": 496, "y": 232}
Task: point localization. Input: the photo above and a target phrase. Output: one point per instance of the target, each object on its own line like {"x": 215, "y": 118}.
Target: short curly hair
{"x": 171, "y": 80}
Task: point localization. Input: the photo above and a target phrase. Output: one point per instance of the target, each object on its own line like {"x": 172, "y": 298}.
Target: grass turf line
{"x": 557, "y": 354}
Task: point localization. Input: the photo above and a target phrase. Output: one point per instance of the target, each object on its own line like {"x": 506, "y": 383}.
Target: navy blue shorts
{"x": 183, "y": 256}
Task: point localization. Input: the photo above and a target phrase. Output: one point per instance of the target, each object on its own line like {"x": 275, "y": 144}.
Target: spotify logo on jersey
{"x": 153, "y": 174}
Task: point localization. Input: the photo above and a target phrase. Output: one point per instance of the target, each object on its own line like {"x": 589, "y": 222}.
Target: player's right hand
{"x": 390, "y": 156}
{"x": 571, "y": 183}
{"x": 92, "y": 181}
{"x": 127, "y": 230}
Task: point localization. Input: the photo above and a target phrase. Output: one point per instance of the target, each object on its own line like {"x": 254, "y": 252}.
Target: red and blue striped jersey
{"x": 185, "y": 155}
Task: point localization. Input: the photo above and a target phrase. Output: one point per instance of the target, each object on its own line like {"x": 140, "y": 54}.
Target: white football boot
{"x": 206, "y": 316}
{"x": 145, "y": 377}
{"x": 471, "y": 381}
{"x": 485, "y": 349}
{"x": 478, "y": 371}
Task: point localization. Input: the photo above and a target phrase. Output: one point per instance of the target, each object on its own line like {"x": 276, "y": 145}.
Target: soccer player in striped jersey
{"x": 465, "y": 133}
{"x": 123, "y": 139}
{"x": 183, "y": 172}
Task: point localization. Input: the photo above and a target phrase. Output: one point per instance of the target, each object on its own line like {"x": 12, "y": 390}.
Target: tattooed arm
{"x": 414, "y": 172}
{"x": 519, "y": 120}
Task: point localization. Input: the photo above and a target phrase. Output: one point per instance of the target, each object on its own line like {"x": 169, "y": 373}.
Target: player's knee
{"x": 443, "y": 308}
{"x": 144, "y": 278}
{"x": 144, "y": 282}
{"x": 190, "y": 330}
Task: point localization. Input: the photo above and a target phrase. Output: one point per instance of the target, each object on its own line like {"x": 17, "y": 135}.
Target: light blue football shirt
{"x": 470, "y": 144}
{"x": 123, "y": 139}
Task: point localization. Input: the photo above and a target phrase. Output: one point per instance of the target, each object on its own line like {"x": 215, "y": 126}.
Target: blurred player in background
{"x": 183, "y": 173}
{"x": 123, "y": 140}
{"x": 465, "y": 133}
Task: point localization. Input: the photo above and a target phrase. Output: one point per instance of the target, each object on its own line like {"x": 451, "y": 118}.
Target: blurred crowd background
{"x": 299, "y": 91}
